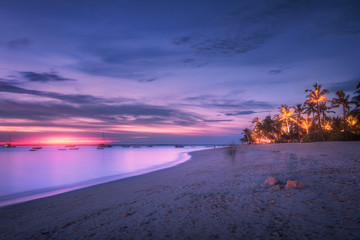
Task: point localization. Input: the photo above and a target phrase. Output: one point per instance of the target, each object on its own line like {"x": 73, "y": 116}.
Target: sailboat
{"x": 103, "y": 145}
{"x": 38, "y": 147}
{"x": 9, "y": 145}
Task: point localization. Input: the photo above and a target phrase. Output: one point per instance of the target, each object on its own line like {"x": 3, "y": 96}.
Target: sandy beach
{"x": 212, "y": 196}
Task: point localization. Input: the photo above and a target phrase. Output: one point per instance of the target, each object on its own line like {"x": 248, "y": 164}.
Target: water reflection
{"x": 27, "y": 175}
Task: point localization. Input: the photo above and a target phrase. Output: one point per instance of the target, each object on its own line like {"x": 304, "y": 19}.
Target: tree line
{"x": 314, "y": 120}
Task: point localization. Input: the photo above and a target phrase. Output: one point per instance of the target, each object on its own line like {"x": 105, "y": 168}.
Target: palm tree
{"x": 286, "y": 115}
{"x": 247, "y": 136}
{"x": 356, "y": 99}
{"x": 317, "y": 95}
{"x": 310, "y": 108}
{"x": 324, "y": 109}
{"x": 337, "y": 123}
{"x": 354, "y": 123}
{"x": 343, "y": 100}
{"x": 299, "y": 110}
{"x": 305, "y": 123}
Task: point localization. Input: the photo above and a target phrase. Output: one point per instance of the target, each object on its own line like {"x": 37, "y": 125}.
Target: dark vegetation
{"x": 314, "y": 120}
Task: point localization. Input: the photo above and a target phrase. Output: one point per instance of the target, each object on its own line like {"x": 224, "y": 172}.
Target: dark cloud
{"x": 108, "y": 111}
{"x": 240, "y": 113}
{"x": 256, "y": 22}
{"x": 276, "y": 71}
{"x": 70, "y": 98}
{"x": 219, "y": 120}
{"x": 44, "y": 77}
{"x": 199, "y": 98}
{"x": 191, "y": 62}
{"x": 210, "y": 101}
{"x": 345, "y": 20}
{"x": 149, "y": 79}
{"x": 135, "y": 63}
{"x": 257, "y": 104}
{"x": 19, "y": 43}
{"x": 105, "y": 114}
{"x": 347, "y": 86}
{"x": 244, "y": 29}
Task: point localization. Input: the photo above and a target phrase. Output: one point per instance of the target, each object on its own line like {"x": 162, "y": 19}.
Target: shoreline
{"x": 208, "y": 197}
{"x": 50, "y": 190}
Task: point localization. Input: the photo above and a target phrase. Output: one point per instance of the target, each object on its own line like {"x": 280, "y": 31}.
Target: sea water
{"x": 26, "y": 175}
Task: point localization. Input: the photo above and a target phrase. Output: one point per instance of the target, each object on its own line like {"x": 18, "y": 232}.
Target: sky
{"x": 166, "y": 71}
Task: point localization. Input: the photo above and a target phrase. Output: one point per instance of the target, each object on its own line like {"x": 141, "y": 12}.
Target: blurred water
{"x": 27, "y": 175}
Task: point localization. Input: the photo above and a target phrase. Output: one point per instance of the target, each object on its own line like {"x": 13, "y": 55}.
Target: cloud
{"x": 244, "y": 29}
{"x": 108, "y": 111}
{"x": 70, "y": 98}
{"x": 19, "y": 43}
{"x": 347, "y": 86}
{"x": 345, "y": 20}
{"x": 44, "y": 77}
{"x": 219, "y": 120}
{"x": 276, "y": 71}
{"x": 106, "y": 115}
{"x": 240, "y": 113}
{"x": 255, "y": 23}
{"x": 211, "y": 101}
{"x": 149, "y": 79}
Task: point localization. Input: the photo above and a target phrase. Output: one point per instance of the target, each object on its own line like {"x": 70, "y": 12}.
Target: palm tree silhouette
{"x": 324, "y": 109}
{"x": 247, "y": 136}
{"x": 342, "y": 100}
{"x": 310, "y": 108}
{"x": 356, "y": 99}
{"x": 299, "y": 110}
{"x": 317, "y": 95}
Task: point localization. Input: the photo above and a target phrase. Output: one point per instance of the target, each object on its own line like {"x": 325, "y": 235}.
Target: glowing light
{"x": 327, "y": 125}
{"x": 69, "y": 140}
{"x": 305, "y": 123}
{"x": 286, "y": 116}
{"x": 316, "y": 98}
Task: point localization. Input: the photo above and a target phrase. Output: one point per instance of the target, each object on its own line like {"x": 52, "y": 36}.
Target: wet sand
{"x": 212, "y": 196}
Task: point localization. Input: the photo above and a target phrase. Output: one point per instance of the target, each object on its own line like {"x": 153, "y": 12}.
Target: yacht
{"x": 9, "y": 145}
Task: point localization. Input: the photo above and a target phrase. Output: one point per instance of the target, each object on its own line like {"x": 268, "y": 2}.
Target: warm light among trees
{"x": 311, "y": 121}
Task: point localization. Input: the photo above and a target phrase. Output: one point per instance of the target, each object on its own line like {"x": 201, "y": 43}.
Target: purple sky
{"x": 167, "y": 71}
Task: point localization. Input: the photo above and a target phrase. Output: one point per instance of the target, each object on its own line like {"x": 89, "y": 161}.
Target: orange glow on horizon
{"x": 69, "y": 140}
{"x": 58, "y": 141}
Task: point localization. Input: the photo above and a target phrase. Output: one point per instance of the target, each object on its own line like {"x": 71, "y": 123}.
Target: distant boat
{"x": 179, "y": 146}
{"x": 62, "y": 149}
{"x": 38, "y": 147}
{"x": 70, "y": 145}
{"x": 73, "y": 148}
{"x": 103, "y": 145}
{"x": 9, "y": 145}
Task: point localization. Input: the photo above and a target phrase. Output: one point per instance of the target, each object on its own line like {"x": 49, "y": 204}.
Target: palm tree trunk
{"x": 319, "y": 121}
{"x": 344, "y": 122}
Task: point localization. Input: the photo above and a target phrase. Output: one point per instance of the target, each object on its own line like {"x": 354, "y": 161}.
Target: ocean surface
{"x": 26, "y": 175}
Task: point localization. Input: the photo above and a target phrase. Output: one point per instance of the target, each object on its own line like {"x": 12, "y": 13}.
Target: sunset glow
{"x": 197, "y": 78}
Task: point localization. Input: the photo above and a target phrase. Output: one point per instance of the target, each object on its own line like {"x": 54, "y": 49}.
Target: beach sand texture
{"x": 212, "y": 196}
